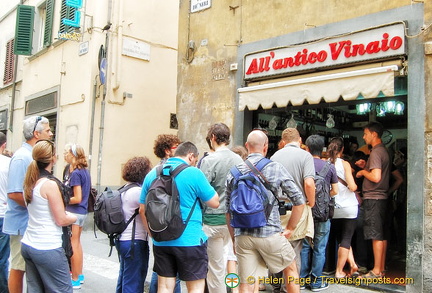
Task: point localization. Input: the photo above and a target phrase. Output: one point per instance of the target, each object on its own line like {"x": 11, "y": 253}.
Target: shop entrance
{"x": 346, "y": 119}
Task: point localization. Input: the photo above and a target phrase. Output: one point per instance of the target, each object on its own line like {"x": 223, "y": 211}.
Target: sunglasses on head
{"x": 38, "y": 118}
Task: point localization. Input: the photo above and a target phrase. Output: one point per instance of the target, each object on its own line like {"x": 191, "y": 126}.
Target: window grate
{"x": 40, "y": 104}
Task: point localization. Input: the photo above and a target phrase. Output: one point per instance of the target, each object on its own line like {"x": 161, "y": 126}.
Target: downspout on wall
{"x": 102, "y": 117}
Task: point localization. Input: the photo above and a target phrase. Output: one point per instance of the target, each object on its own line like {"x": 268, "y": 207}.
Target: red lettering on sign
{"x": 342, "y": 49}
{"x": 322, "y": 56}
{"x": 384, "y": 42}
{"x": 253, "y": 67}
{"x": 396, "y": 43}
{"x": 312, "y": 57}
{"x": 336, "y": 49}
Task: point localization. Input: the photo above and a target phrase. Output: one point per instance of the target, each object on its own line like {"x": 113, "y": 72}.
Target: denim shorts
{"x": 80, "y": 219}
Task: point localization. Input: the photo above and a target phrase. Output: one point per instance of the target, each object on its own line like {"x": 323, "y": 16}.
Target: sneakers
{"x": 81, "y": 279}
{"x": 302, "y": 287}
{"x": 76, "y": 284}
{"x": 323, "y": 286}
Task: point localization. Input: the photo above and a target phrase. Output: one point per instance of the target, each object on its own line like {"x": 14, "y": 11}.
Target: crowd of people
{"x": 291, "y": 245}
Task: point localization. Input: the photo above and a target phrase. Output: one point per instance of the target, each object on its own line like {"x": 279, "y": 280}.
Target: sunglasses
{"x": 39, "y": 118}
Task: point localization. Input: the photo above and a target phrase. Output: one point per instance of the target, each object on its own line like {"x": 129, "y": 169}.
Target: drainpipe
{"x": 102, "y": 118}
{"x": 92, "y": 119}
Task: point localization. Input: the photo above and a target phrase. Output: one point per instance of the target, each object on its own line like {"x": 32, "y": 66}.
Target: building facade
{"x": 326, "y": 67}
{"x": 103, "y": 72}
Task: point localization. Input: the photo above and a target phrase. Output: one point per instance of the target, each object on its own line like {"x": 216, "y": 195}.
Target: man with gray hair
{"x": 16, "y": 217}
{"x": 266, "y": 246}
{"x": 4, "y": 238}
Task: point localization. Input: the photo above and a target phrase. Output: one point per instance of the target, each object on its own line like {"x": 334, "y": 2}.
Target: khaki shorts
{"x": 17, "y": 261}
{"x": 254, "y": 253}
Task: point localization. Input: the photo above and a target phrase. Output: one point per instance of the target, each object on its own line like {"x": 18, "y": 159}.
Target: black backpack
{"x": 162, "y": 206}
{"x": 108, "y": 213}
{"x": 324, "y": 204}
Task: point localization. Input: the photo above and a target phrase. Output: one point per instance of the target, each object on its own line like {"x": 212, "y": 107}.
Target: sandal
{"x": 343, "y": 277}
{"x": 355, "y": 275}
{"x": 372, "y": 275}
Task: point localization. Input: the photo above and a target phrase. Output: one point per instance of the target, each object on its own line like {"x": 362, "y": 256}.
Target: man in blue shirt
{"x": 186, "y": 255}
{"x": 16, "y": 217}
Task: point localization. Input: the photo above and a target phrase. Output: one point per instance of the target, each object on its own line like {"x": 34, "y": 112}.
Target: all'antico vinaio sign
{"x": 376, "y": 43}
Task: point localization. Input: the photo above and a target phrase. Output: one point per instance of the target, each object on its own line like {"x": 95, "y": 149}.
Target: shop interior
{"x": 346, "y": 119}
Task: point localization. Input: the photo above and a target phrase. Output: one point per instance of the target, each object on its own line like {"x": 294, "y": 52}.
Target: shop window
{"x": 24, "y": 30}
{"x": 9, "y": 63}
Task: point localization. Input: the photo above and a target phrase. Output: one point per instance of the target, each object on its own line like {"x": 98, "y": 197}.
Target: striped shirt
{"x": 280, "y": 180}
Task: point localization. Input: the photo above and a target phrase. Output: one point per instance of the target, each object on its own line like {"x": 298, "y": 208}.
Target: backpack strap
{"x": 173, "y": 174}
{"x": 324, "y": 171}
{"x": 261, "y": 164}
{"x": 123, "y": 189}
{"x": 256, "y": 169}
{"x": 178, "y": 169}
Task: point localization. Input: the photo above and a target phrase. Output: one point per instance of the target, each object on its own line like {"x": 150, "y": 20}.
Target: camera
{"x": 284, "y": 207}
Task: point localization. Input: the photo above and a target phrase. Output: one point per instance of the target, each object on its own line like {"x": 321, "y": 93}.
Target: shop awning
{"x": 348, "y": 85}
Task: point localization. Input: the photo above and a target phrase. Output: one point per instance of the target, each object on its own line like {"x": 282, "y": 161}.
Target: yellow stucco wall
{"x": 216, "y": 33}
{"x": 130, "y": 124}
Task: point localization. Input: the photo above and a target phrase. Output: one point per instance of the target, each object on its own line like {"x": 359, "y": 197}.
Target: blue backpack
{"x": 249, "y": 204}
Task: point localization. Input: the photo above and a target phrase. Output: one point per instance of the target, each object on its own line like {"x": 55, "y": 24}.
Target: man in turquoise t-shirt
{"x": 186, "y": 255}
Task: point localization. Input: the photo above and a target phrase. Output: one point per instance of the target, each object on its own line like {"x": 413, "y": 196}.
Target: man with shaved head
{"x": 266, "y": 246}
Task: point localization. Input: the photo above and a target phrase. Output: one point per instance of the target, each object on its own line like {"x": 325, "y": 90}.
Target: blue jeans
{"x": 4, "y": 256}
{"x": 133, "y": 270}
{"x": 154, "y": 284}
{"x": 46, "y": 270}
{"x": 312, "y": 265}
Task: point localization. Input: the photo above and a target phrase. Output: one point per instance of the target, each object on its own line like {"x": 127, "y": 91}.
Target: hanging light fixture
{"x": 330, "y": 123}
{"x": 399, "y": 108}
{"x": 380, "y": 110}
{"x": 363, "y": 108}
{"x": 390, "y": 106}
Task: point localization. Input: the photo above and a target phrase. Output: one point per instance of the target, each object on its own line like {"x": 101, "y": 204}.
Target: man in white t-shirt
{"x": 4, "y": 238}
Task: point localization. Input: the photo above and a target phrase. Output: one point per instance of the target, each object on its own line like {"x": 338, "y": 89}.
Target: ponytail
{"x": 334, "y": 148}
{"x": 30, "y": 179}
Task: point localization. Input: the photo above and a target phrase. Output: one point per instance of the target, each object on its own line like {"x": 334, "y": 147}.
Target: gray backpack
{"x": 162, "y": 209}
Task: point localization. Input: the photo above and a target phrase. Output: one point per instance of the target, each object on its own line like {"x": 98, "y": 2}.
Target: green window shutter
{"x": 66, "y": 12}
{"x": 48, "y": 22}
{"x": 24, "y": 30}
{"x": 63, "y": 14}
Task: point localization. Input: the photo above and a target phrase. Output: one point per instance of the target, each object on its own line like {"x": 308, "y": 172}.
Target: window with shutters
{"x": 24, "y": 30}
{"x": 9, "y": 63}
{"x": 66, "y": 12}
{"x": 45, "y": 23}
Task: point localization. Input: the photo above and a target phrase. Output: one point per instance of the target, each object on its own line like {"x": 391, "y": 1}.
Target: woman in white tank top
{"x": 346, "y": 209}
{"x": 47, "y": 268}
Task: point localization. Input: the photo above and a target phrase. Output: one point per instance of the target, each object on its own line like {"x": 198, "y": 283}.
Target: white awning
{"x": 348, "y": 85}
